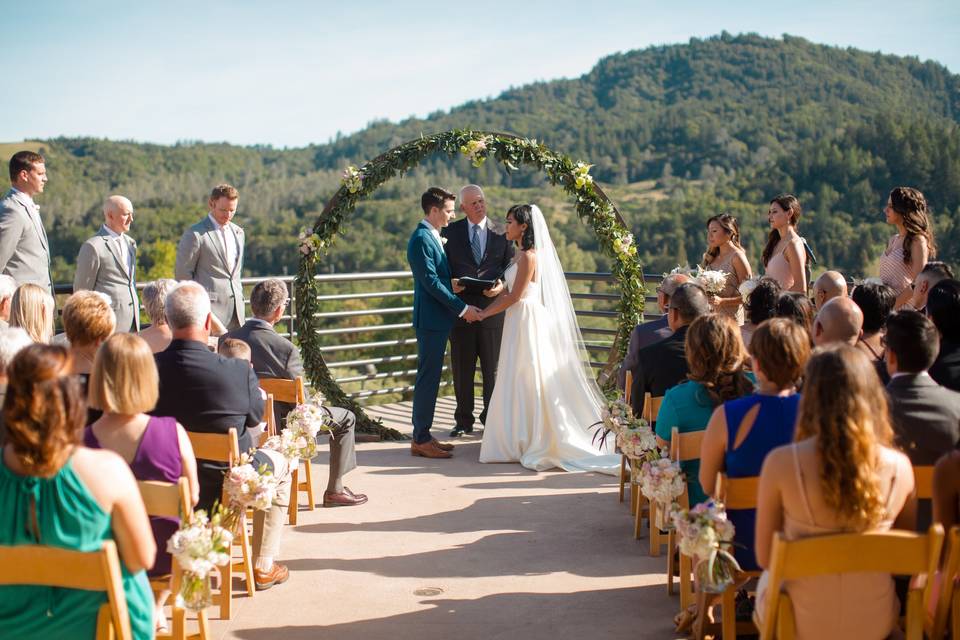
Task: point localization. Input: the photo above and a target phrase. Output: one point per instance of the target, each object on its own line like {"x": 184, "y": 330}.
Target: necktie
{"x": 122, "y": 249}
{"x": 475, "y": 245}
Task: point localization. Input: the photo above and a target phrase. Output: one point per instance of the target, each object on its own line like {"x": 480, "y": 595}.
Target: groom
{"x": 435, "y": 307}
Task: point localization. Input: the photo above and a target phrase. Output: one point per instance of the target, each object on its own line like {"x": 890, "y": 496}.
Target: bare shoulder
{"x": 104, "y": 473}
{"x": 528, "y": 257}
{"x": 777, "y": 462}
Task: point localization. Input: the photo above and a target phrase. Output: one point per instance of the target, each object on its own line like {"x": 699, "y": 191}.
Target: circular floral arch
{"x": 592, "y": 204}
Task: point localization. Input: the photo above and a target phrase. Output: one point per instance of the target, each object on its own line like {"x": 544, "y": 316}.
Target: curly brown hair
{"x": 44, "y": 411}
{"x": 844, "y": 407}
{"x": 716, "y": 357}
{"x": 911, "y": 206}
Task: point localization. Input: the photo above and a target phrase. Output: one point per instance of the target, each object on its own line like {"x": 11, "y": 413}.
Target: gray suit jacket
{"x": 926, "y": 417}
{"x": 100, "y": 268}
{"x": 200, "y": 257}
{"x": 24, "y": 252}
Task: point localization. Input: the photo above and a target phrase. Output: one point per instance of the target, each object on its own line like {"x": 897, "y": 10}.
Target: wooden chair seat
{"x": 293, "y": 391}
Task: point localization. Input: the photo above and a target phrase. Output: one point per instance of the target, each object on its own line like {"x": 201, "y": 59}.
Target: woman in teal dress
{"x": 56, "y": 493}
{"x": 715, "y": 364}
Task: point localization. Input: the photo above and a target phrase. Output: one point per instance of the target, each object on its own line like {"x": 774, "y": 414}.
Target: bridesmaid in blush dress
{"x": 725, "y": 254}
{"x": 910, "y": 248}
{"x": 784, "y": 257}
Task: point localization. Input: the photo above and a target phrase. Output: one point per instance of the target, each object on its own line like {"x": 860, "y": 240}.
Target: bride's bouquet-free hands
{"x": 703, "y": 533}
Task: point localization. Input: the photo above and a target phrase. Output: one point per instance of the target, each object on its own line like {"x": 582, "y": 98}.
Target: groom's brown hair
{"x": 434, "y": 197}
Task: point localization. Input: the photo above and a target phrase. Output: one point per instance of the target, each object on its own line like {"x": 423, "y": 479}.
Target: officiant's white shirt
{"x": 482, "y": 236}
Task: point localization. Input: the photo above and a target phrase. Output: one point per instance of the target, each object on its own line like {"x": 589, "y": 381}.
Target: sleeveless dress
{"x": 688, "y": 407}
{"x": 779, "y": 269}
{"x": 893, "y": 271}
{"x": 732, "y": 287}
{"x": 772, "y": 428}
{"x": 850, "y": 605}
{"x": 539, "y": 415}
{"x": 67, "y": 516}
{"x": 157, "y": 458}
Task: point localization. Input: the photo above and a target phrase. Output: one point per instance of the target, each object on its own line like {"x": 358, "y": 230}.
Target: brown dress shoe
{"x": 443, "y": 446}
{"x": 277, "y": 574}
{"x": 343, "y": 499}
{"x": 428, "y": 450}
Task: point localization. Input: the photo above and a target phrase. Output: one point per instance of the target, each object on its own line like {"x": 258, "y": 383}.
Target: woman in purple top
{"x": 124, "y": 385}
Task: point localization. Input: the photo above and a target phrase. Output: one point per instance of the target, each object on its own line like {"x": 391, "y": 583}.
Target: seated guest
{"x": 663, "y": 364}
{"x": 841, "y": 475}
{"x": 932, "y": 274}
{"x": 830, "y": 284}
{"x": 840, "y": 320}
{"x": 273, "y": 356}
{"x": 12, "y": 340}
{"x": 208, "y": 393}
{"x": 233, "y": 348}
{"x": 742, "y": 432}
{"x": 943, "y": 307}
{"x": 797, "y": 307}
{"x": 876, "y": 304}
{"x": 652, "y": 331}
{"x": 123, "y": 384}
{"x": 88, "y": 320}
{"x": 761, "y": 305}
{"x": 158, "y": 334}
{"x": 7, "y": 287}
{"x": 715, "y": 363}
{"x": 57, "y": 493}
{"x": 31, "y": 309}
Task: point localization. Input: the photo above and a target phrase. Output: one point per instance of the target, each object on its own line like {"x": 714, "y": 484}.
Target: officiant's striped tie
{"x": 475, "y": 245}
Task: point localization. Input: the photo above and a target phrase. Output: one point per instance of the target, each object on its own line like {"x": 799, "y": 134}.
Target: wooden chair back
{"x": 948, "y": 605}
{"x": 39, "y": 565}
{"x": 737, "y": 493}
{"x": 651, "y": 407}
{"x": 217, "y": 447}
{"x": 285, "y": 390}
{"x": 166, "y": 499}
{"x": 894, "y": 552}
{"x": 923, "y": 481}
{"x": 627, "y": 387}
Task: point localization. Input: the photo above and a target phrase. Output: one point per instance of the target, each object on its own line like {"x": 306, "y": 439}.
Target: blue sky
{"x": 291, "y": 73}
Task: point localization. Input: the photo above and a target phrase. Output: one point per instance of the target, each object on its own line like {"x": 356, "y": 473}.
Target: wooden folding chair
{"x": 43, "y": 566}
{"x": 169, "y": 500}
{"x": 923, "y": 481}
{"x": 270, "y": 418}
{"x": 638, "y": 502}
{"x": 948, "y": 604}
{"x": 735, "y": 493}
{"x": 683, "y": 448}
{"x": 894, "y": 552}
{"x": 293, "y": 391}
{"x": 220, "y": 447}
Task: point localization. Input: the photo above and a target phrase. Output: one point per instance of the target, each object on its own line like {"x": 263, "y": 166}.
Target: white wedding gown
{"x": 540, "y": 414}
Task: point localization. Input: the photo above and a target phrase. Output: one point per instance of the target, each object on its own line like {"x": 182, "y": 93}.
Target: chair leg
{"x": 247, "y": 557}
{"x": 701, "y": 624}
{"x": 637, "y": 522}
{"x": 623, "y": 475}
{"x": 204, "y": 626}
{"x": 294, "y": 507}
{"x": 655, "y": 535}
{"x": 308, "y": 485}
{"x": 728, "y": 613}
{"x": 686, "y": 583}
{"x": 671, "y": 561}
{"x": 226, "y": 591}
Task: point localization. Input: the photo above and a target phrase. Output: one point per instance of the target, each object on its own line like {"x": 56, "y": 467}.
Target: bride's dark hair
{"x": 523, "y": 214}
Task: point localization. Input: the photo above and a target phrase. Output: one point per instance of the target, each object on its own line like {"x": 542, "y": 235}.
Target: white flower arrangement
{"x": 637, "y": 440}
{"x": 678, "y": 270}
{"x": 249, "y": 487}
{"x": 711, "y": 280}
{"x": 352, "y": 179}
{"x": 747, "y": 286}
{"x": 199, "y": 547}
{"x": 581, "y": 175}
{"x": 299, "y": 439}
{"x": 661, "y": 479}
{"x": 624, "y": 245}
{"x": 616, "y": 415}
{"x": 476, "y": 150}
{"x": 703, "y": 532}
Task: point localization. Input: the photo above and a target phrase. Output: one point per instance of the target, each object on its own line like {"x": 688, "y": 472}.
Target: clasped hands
{"x": 475, "y": 314}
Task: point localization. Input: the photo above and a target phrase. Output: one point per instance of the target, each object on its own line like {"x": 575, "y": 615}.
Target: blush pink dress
{"x": 893, "y": 271}
{"x": 779, "y": 269}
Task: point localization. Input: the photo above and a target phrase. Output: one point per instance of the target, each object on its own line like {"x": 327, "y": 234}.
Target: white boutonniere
{"x": 443, "y": 240}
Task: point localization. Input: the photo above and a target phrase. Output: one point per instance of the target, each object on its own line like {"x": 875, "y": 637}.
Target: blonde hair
{"x": 88, "y": 318}
{"x": 235, "y": 348}
{"x": 124, "y": 379}
{"x": 844, "y": 406}
{"x": 31, "y": 309}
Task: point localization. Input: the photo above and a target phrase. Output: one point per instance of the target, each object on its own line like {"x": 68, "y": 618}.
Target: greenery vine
{"x": 592, "y": 205}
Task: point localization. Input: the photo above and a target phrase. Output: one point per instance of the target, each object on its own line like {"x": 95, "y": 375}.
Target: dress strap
{"x": 876, "y": 356}
{"x": 803, "y": 490}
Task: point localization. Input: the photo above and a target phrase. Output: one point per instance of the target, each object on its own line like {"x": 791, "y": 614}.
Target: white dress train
{"x": 540, "y": 415}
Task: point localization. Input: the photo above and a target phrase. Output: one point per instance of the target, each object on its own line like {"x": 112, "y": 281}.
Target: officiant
{"x": 477, "y": 249}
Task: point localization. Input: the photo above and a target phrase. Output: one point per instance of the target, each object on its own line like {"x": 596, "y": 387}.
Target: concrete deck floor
{"x": 457, "y": 549}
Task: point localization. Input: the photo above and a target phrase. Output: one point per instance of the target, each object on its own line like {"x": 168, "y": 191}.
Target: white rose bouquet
{"x": 711, "y": 280}
{"x": 661, "y": 479}
{"x": 199, "y": 547}
{"x": 246, "y": 487}
{"x": 637, "y": 440}
{"x": 746, "y": 288}
{"x": 703, "y": 532}
{"x": 299, "y": 439}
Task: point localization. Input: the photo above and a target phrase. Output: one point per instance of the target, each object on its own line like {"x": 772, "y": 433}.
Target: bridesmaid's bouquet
{"x": 746, "y": 288}
{"x": 711, "y": 280}
{"x": 298, "y": 441}
{"x": 199, "y": 547}
{"x": 703, "y": 532}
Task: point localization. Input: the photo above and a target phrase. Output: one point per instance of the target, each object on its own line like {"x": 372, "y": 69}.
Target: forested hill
{"x": 677, "y": 133}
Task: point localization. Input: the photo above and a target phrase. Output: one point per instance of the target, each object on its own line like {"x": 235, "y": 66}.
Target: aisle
{"x": 456, "y": 549}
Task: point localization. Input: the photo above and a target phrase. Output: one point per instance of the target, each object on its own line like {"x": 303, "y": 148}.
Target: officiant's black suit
{"x": 468, "y": 341}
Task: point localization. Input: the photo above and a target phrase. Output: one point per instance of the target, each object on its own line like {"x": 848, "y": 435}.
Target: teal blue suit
{"x": 435, "y": 308}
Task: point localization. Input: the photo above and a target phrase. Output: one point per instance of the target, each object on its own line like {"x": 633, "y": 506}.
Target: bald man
{"x": 839, "y": 320}
{"x": 107, "y": 263}
{"x": 830, "y": 284}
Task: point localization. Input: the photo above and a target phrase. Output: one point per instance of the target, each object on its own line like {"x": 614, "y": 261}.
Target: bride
{"x": 545, "y": 399}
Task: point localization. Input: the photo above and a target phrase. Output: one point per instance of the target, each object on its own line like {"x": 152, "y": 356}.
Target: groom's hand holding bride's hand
{"x": 472, "y": 314}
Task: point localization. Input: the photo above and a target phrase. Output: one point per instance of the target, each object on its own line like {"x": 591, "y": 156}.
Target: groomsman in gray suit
{"x": 107, "y": 263}
{"x": 24, "y": 251}
{"x": 211, "y": 253}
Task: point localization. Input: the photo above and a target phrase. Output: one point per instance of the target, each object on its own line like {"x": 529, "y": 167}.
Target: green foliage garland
{"x": 592, "y": 206}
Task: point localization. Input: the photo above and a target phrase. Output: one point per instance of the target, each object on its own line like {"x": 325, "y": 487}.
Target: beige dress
{"x": 893, "y": 271}
{"x": 854, "y": 605}
{"x": 779, "y": 269}
{"x": 732, "y": 287}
